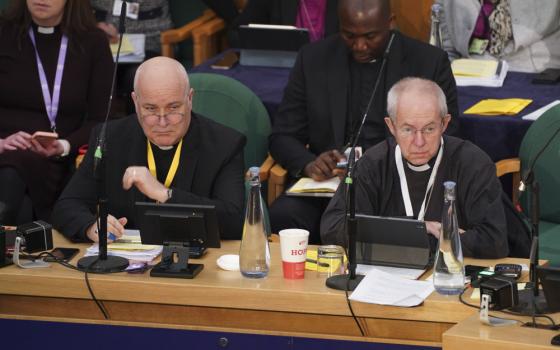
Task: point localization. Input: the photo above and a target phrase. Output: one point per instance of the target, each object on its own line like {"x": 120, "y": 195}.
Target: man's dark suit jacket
{"x": 314, "y": 107}
{"x": 210, "y": 172}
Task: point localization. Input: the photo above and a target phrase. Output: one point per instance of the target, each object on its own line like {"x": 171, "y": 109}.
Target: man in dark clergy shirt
{"x": 328, "y": 93}
{"x": 165, "y": 153}
{"x": 404, "y": 175}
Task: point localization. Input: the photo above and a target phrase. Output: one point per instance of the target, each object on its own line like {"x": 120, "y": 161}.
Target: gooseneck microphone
{"x": 102, "y": 263}
{"x": 530, "y": 301}
{"x": 351, "y": 280}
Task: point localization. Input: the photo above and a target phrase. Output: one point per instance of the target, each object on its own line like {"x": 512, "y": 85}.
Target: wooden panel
{"x": 413, "y": 17}
{"x": 472, "y": 334}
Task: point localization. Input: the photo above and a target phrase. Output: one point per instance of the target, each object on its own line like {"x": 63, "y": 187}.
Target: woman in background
{"x": 55, "y": 75}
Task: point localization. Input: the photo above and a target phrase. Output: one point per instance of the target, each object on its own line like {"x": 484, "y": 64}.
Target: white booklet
{"x": 383, "y": 288}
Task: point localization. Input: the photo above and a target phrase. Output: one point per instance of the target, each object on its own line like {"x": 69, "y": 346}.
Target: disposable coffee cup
{"x": 293, "y": 245}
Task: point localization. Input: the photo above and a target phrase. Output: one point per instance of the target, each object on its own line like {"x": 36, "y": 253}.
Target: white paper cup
{"x": 293, "y": 245}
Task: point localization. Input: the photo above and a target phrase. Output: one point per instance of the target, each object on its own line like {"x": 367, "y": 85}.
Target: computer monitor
{"x": 550, "y": 280}
{"x": 177, "y": 227}
{"x": 392, "y": 241}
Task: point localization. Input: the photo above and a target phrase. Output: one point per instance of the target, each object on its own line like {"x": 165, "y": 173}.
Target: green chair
{"x": 178, "y": 42}
{"x": 547, "y": 173}
{"x": 231, "y": 103}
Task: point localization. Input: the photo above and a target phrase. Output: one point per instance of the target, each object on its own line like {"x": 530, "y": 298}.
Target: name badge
{"x": 132, "y": 9}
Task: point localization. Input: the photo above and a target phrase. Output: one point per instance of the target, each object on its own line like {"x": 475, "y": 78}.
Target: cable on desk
{"x": 351, "y": 309}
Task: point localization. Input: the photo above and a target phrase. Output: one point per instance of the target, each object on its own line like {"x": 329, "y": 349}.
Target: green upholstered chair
{"x": 178, "y": 42}
{"x": 547, "y": 173}
{"x": 231, "y": 103}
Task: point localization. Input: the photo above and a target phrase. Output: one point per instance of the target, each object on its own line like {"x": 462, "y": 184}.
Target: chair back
{"x": 547, "y": 167}
{"x": 183, "y": 12}
{"x": 229, "y": 102}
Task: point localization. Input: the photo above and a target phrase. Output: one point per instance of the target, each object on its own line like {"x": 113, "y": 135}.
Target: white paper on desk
{"x": 493, "y": 81}
{"x": 536, "y": 114}
{"x": 409, "y": 274}
{"x": 379, "y": 287}
{"x": 143, "y": 253}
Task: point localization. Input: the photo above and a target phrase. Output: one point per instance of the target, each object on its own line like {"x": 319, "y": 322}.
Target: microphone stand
{"x": 102, "y": 263}
{"x": 350, "y": 281}
{"x": 530, "y": 301}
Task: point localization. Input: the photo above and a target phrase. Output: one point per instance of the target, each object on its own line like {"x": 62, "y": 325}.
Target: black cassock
{"x": 479, "y": 205}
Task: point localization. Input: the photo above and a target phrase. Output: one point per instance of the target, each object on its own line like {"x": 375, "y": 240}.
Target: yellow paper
{"x": 126, "y": 47}
{"x": 306, "y": 184}
{"x": 508, "y": 106}
{"x": 474, "y": 68}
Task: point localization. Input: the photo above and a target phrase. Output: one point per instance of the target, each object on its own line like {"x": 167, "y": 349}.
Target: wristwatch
{"x": 169, "y": 194}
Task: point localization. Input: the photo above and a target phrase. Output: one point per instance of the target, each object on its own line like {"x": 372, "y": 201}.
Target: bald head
{"x": 361, "y": 8}
{"x": 161, "y": 73}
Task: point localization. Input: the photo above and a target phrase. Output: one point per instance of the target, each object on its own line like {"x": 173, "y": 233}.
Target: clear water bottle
{"x": 449, "y": 272}
{"x": 254, "y": 254}
{"x": 435, "y": 30}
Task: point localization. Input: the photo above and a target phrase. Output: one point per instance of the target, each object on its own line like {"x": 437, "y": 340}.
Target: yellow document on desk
{"x": 306, "y": 185}
{"x": 508, "y": 106}
{"x": 126, "y": 47}
{"x": 474, "y": 68}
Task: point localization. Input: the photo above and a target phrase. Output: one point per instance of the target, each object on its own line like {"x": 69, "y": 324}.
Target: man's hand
{"x": 434, "y": 228}
{"x": 114, "y": 226}
{"x": 145, "y": 182}
{"x": 110, "y": 30}
{"x": 324, "y": 166}
{"x": 19, "y": 140}
{"x": 50, "y": 149}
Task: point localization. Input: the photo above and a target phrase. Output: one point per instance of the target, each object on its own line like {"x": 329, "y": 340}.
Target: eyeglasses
{"x": 152, "y": 115}
{"x": 430, "y": 130}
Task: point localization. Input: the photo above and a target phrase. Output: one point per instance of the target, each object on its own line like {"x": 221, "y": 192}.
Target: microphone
{"x": 102, "y": 263}
{"x": 351, "y": 280}
{"x": 100, "y": 146}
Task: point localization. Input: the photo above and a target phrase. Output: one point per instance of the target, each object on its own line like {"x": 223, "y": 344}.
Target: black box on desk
{"x": 37, "y": 236}
{"x": 502, "y": 291}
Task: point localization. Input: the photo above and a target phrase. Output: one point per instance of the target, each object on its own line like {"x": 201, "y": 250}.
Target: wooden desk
{"x": 472, "y": 334}
{"x": 223, "y": 300}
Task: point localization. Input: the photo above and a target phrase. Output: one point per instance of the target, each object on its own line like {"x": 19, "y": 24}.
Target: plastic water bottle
{"x": 449, "y": 271}
{"x": 435, "y": 30}
{"x": 254, "y": 254}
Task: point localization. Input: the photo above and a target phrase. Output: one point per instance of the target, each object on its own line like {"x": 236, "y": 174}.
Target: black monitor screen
{"x": 164, "y": 224}
{"x": 550, "y": 280}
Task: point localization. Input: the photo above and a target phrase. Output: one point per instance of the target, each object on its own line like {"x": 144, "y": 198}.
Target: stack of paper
{"x": 383, "y": 288}
{"x": 306, "y": 185}
{"x": 471, "y": 72}
{"x": 508, "y": 106}
{"x": 129, "y": 247}
{"x": 132, "y": 48}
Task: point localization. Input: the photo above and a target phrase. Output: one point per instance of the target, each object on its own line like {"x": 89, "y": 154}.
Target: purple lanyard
{"x": 51, "y": 105}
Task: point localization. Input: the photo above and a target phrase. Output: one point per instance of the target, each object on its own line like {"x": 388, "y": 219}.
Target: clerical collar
{"x": 418, "y": 168}
{"x": 164, "y": 148}
{"x": 45, "y": 30}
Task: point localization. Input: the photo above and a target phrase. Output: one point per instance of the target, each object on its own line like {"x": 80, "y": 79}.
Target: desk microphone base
{"x": 95, "y": 265}
{"x": 531, "y": 305}
{"x": 340, "y": 282}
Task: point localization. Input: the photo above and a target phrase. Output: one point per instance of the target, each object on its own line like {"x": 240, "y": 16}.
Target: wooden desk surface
{"x": 472, "y": 334}
{"x": 224, "y": 299}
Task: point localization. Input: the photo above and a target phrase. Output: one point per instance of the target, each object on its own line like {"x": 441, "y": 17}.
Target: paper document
{"x": 271, "y": 26}
{"x": 306, "y": 184}
{"x": 536, "y": 114}
{"x": 129, "y": 247}
{"x": 409, "y": 274}
{"x": 383, "y": 288}
{"x": 474, "y": 68}
{"x": 479, "y": 72}
{"x": 507, "y": 106}
{"x": 132, "y": 48}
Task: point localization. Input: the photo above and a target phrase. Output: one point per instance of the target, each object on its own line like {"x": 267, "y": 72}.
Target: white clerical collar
{"x": 418, "y": 168}
{"x": 373, "y": 60}
{"x": 45, "y": 30}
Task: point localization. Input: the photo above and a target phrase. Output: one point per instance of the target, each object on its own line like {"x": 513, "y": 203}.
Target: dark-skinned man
{"x": 327, "y": 94}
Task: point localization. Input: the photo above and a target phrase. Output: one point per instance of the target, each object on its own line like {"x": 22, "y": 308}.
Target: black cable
{"x": 350, "y": 307}
{"x": 97, "y": 302}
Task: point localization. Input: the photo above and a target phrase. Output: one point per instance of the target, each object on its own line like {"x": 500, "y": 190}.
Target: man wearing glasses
{"x": 404, "y": 175}
{"x": 165, "y": 153}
